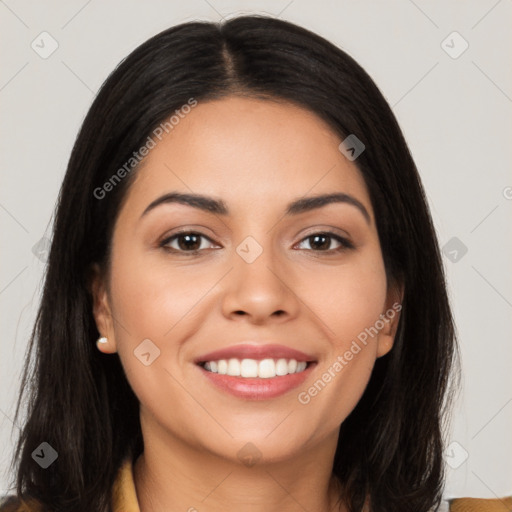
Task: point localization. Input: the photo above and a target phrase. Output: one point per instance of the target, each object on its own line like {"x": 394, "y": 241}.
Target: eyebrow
{"x": 217, "y": 206}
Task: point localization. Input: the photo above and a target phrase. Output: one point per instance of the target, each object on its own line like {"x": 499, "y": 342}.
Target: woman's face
{"x": 251, "y": 274}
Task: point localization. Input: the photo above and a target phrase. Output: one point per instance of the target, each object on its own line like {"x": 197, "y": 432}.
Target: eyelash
{"x": 345, "y": 244}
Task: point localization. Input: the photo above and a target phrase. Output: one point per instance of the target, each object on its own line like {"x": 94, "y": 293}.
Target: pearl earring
{"x": 102, "y": 340}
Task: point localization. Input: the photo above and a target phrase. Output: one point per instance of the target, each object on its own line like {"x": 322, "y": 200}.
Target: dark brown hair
{"x": 390, "y": 447}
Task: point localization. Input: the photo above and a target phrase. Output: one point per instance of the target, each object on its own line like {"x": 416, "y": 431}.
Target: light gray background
{"x": 455, "y": 113}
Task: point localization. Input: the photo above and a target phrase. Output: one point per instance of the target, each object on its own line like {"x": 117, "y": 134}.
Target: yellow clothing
{"x": 124, "y": 498}
{"x": 481, "y": 505}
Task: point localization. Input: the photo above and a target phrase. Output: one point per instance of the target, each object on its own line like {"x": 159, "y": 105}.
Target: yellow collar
{"x": 124, "y": 496}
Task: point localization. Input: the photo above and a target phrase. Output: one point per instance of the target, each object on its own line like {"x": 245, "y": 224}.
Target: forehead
{"x": 249, "y": 152}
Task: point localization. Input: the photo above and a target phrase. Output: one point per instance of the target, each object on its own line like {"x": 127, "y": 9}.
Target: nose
{"x": 260, "y": 290}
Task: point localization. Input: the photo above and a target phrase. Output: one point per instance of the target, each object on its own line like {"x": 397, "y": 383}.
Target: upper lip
{"x": 258, "y": 352}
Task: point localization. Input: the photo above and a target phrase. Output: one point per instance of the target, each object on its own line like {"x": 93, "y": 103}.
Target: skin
{"x": 257, "y": 156}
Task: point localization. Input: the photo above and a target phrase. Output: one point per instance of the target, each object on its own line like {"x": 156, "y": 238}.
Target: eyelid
{"x": 167, "y": 238}
{"x": 332, "y": 230}
{"x": 197, "y": 229}
{"x": 345, "y": 242}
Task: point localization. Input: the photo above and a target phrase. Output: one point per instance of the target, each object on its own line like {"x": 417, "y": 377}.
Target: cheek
{"x": 161, "y": 302}
{"x": 166, "y": 305}
{"x": 152, "y": 298}
{"x": 356, "y": 296}
{"x": 330, "y": 399}
{"x": 154, "y": 308}
{"x": 348, "y": 298}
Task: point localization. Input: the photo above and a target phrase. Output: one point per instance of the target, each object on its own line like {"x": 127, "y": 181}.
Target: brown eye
{"x": 187, "y": 241}
{"x": 321, "y": 242}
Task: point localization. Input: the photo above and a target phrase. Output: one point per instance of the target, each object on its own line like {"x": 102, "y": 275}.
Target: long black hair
{"x": 390, "y": 447}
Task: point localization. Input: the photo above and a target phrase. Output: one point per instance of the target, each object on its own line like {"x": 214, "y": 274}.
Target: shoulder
{"x": 480, "y": 504}
{"x": 12, "y": 503}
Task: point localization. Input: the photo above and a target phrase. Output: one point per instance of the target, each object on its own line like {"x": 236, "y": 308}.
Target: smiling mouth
{"x": 254, "y": 368}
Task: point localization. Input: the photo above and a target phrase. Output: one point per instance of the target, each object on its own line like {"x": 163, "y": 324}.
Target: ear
{"x": 390, "y": 318}
{"x": 102, "y": 309}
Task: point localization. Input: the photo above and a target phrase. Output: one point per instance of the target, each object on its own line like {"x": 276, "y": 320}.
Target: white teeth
{"x": 234, "y": 368}
{"x": 249, "y": 368}
{"x": 222, "y": 367}
{"x": 264, "y": 369}
{"x": 281, "y": 367}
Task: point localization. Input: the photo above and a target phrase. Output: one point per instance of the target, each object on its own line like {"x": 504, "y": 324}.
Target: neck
{"x": 173, "y": 475}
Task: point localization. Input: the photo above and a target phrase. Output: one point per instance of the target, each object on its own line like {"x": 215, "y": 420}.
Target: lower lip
{"x": 256, "y": 388}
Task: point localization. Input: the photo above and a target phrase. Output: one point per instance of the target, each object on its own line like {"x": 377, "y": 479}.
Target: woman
{"x": 244, "y": 305}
